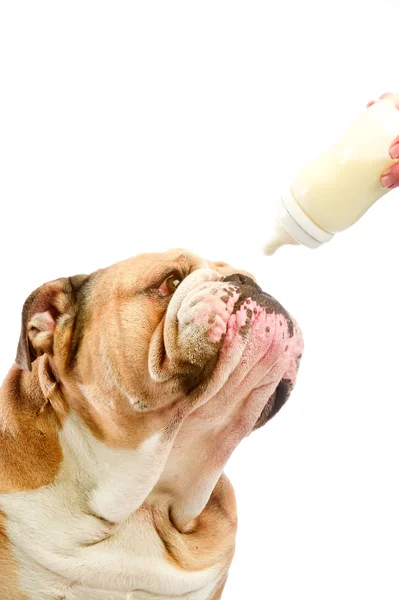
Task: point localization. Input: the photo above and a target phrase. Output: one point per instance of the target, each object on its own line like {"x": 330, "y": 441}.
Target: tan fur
{"x": 121, "y": 284}
{"x": 30, "y": 453}
{"x": 8, "y": 568}
{"x": 78, "y": 368}
{"x": 219, "y": 591}
{"x": 208, "y": 539}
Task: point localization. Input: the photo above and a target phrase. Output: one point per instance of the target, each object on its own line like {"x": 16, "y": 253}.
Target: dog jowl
{"x": 132, "y": 387}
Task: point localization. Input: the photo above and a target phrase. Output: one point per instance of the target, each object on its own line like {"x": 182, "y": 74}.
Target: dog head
{"x": 167, "y": 344}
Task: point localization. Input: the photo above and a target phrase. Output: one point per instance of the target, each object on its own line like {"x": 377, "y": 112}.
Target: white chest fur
{"x": 66, "y": 552}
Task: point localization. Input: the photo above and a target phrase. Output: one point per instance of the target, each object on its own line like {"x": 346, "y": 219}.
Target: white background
{"x": 139, "y": 126}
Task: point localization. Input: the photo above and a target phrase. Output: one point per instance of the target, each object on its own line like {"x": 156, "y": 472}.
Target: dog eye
{"x": 169, "y": 286}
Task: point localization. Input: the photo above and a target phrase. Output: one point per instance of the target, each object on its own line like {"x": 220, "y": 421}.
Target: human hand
{"x": 390, "y": 178}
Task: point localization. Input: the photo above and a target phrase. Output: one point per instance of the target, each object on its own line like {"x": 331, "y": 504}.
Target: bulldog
{"x": 132, "y": 387}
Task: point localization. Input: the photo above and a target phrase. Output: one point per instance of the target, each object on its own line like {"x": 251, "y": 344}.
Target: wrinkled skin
{"x": 144, "y": 377}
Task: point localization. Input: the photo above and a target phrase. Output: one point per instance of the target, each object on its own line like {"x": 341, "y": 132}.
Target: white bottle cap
{"x": 297, "y": 223}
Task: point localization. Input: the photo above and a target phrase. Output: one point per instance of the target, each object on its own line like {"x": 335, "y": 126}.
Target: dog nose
{"x": 242, "y": 280}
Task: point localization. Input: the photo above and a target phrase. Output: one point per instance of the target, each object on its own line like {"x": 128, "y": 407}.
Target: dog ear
{"x": 40, "y": 314}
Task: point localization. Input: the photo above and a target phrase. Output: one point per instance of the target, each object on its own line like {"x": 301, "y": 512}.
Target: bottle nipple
{"x": 280, "y": 238}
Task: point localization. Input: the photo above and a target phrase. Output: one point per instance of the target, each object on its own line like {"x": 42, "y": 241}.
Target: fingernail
{"x": 394, "y": 151}
{"x": 386, "y": 181}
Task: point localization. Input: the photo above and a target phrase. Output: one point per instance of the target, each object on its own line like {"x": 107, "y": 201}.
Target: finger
{"x": 394, "y": 149}
{"x": 390, "y": 178}
{"x": 387, "y": 96}
{"x": 393, "y": 97}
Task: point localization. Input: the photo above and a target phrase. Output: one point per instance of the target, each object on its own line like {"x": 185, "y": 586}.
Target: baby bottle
{"x": 331, "y": 193}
